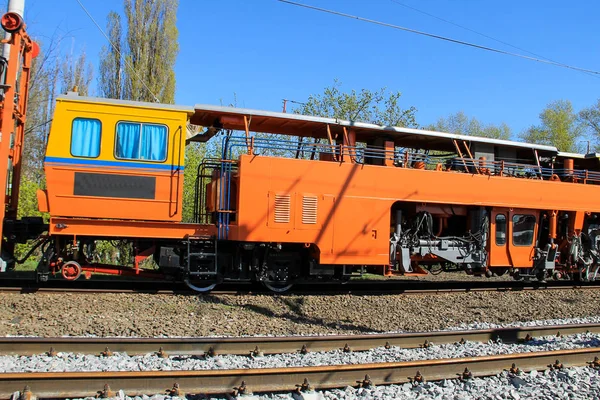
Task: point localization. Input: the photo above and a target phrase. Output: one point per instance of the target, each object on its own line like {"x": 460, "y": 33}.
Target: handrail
{"x": 407, "y": 159}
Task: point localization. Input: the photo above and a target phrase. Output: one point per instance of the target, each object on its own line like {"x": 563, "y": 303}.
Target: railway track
{"x": 72, "y": 384}
{"x": 276, "y": 345}
{"x": 23, "y": 284}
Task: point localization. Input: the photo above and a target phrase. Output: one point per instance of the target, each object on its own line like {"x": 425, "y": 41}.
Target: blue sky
{"x": 263, "y": 51}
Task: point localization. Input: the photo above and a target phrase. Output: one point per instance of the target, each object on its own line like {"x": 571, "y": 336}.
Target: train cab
{"x": 114, "y": 159}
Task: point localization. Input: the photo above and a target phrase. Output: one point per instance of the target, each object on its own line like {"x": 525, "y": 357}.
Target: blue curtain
{"x": 128, "y": 140}
{"x": 85, "y": 137}
{"x": 154, "y": 143}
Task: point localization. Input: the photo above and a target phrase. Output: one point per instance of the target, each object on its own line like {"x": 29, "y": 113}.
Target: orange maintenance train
{"x": 292, "y": 197}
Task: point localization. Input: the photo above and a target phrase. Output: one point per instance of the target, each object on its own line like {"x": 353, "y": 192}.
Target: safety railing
{"x": 404, "y": 158}
{"x": 204, "y": 176}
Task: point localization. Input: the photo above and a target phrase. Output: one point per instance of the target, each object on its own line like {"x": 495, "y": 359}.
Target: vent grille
{"x": 309, "y": 209}
{"x": 282, "y": 208}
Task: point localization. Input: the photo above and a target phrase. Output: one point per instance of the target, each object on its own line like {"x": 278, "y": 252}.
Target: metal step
{"x": 202, "y": 254}
{"x": 202, "y": 273}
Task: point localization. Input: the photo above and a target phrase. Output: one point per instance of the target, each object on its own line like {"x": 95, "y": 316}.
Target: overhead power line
{"x": 119, "y": 53}
{"x": 439, "y": 37}
{"x": 478, "y": 33}
{"x": 467, "y": 29}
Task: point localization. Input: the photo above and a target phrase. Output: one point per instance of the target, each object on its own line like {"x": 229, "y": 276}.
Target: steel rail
{"x": 276, "y": 345}
{"x": 79, "y": 384}
{"x": 362, "y": 288}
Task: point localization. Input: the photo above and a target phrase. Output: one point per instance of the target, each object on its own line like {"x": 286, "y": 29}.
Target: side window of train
{"x": 85, "y": 137}
{"x": 500, "y": 230}
{"x": 523, "y": 228}
{"x": 137, "y": 141}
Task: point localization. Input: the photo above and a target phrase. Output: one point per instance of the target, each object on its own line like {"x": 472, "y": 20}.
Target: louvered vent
{"x": 282, "y": 208}
{"x": 309, "y": 209}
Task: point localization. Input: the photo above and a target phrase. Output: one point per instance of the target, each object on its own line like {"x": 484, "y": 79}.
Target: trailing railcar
{"x": 297, "y": 198}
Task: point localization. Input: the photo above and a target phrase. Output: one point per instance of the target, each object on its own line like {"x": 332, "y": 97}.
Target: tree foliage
{"x": 51, "y": 73}
{"x": 460, "y": 123}
{"x": 76, "y": 72}
{"x": 558, "y": 127}
{"x": 141, "y": 63}
{"x": 194, "y": 155}
{"x": 378, "y": 107}
{"x": 590, "y": 118}
{"x": 40, "y": 107}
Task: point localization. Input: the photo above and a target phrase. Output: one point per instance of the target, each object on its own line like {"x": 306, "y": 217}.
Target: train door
{"x": 513, "y": 233}
{"x": 499, "y": 256}
{"x": 521, "y": 237}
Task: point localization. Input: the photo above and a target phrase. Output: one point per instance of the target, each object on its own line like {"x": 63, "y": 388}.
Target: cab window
{"x": 85, "y": 137}
{"x": 136, "y": 141}
{"x": 523, "y": 228}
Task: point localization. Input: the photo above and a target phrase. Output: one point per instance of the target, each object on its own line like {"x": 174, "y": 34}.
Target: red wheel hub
{"x": 71, "y": 270}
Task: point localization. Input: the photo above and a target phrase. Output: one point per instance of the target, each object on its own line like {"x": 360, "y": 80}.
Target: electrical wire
{"x": 118, "y": 52}
{"x": 439, "y": 37}
{"x": 479, "y": 33}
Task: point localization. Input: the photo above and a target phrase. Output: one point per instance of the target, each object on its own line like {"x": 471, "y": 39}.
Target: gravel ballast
{"x": 155, "y": 315}
{"x": 69, "y": 362}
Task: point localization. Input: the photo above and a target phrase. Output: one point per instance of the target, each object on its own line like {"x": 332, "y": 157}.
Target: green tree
{"x": 76, "y": 72}
{"x": 558, "y": 127}
{"x": 460, "y": 123}
{"x": 590, "y": 118}
{"x": 378, "y": 107}
{"x": 111, "y": 67}
{"x": 51, "y": 73}
{"x": 40, "y": 107}
{"x": 141, "y": 64}
{"x": 194, "y": 155}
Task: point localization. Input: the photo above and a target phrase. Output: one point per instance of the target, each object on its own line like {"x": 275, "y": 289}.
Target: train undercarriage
{"x": 423, "y": 239}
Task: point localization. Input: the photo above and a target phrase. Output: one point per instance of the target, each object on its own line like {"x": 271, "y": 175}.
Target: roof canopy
{"x": 308, "y": 126}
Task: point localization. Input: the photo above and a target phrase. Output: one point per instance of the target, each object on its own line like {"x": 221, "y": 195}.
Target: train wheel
{"x": 278, "y": 287}
{"x": 71, "y": 270}
{"x": 200, "y": 287}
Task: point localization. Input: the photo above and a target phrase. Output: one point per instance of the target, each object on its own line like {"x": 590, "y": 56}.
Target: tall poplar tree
{"x": 139, "y": 64}
{"x": 76, "y": 72}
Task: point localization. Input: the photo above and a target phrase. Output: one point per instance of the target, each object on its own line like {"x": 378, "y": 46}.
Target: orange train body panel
{"x": 354, "y": 202}
{"x": 343, "y": 191}
{"x": 127, "y": 229}
{"x": 164, "y": 204}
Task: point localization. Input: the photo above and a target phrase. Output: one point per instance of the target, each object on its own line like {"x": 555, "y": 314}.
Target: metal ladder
{"x": 224, "y": 199}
